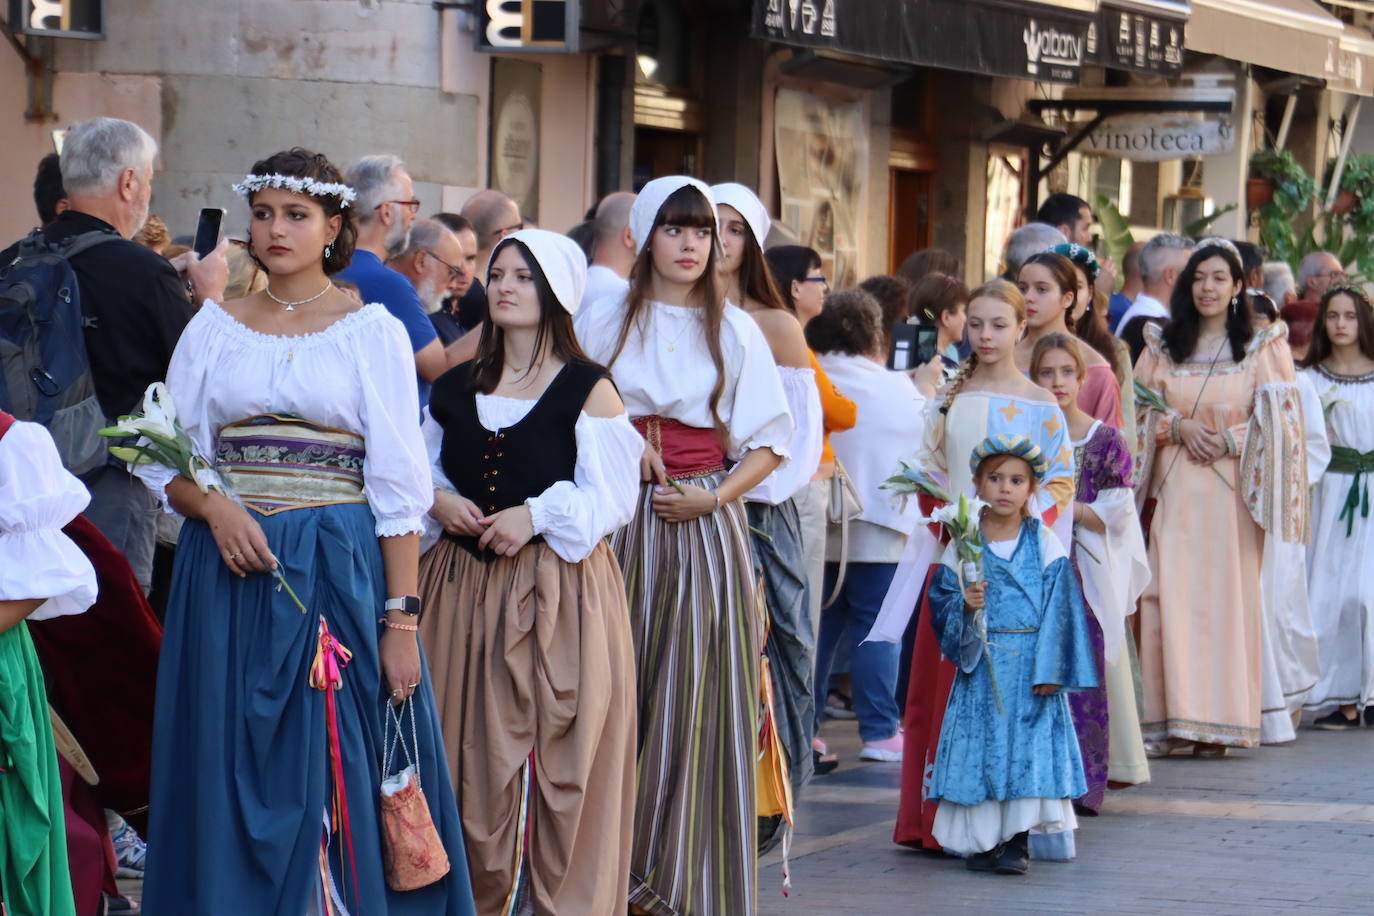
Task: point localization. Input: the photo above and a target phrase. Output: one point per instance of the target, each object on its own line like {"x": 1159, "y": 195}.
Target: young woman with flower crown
{"x": 1225, "y": 466}
{"x": 772, "y": 507}
{"x": 989, "y": 396}
{"x": 701, "y": 385}
{"x": 1340, "y": 365}
{"x": 527, "y": 629}
{"x": 266, "y": 780}
{"x": 1108, "y": 556}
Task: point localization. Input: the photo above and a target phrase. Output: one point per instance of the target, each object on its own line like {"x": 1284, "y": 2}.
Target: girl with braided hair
{"x": 989, "y": 396}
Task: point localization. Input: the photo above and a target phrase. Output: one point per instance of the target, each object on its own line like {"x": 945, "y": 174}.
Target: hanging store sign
{"x": 1159, "y": 137}
{"x": 528, "y": 26}
{"x": 1019, "y": 40}
{"x": 1123, "y": 39}
{"x": 58, "y": 18}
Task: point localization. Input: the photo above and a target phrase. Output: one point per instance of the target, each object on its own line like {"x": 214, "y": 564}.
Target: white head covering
{"x": 748, "y": 205}
{"x": 652, "y": 198}
{"x": 560, "y": 258}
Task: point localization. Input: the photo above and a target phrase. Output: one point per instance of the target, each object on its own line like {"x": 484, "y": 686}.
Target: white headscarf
{"x": 560, "y": 258}
{"x": 748, "y": 205}
{"x": 652, "y": 198}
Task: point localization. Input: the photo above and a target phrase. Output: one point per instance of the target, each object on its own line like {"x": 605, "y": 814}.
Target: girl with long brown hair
{"x": 528, "y": 631}
{"x": 700, "y": 383}
{"x": 1050, "y": 285}
{"x": 1340, "y": 364}
{"x": 774, "y": 519}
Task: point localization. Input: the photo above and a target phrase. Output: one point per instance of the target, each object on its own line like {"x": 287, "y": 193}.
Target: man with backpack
{"x": 75, "y": 369}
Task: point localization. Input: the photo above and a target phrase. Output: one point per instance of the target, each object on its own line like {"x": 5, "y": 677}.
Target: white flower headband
{"x": 299, "y": 185}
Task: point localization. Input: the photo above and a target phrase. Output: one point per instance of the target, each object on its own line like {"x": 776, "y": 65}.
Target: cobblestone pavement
{"x": 1287, "y": 829}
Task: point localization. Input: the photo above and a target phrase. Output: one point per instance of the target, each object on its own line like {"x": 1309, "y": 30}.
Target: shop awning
{"x": 1140, "y": 35}
{"x": 1042, "y": 40}
{"x": 1355, "y": 62}
{"x": 1295, "y": 36}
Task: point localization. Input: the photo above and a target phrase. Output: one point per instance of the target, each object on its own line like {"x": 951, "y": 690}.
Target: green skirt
{"x": 34, "y": 878}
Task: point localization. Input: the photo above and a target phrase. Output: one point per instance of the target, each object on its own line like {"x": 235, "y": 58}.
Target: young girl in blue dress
{"x": 1008, "y": 760}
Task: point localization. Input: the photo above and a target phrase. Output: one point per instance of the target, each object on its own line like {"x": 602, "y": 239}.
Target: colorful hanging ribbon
{"x": 326, "y": 673}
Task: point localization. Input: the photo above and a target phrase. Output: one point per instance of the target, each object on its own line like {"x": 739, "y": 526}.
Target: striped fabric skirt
{"x": 696, "y": 627}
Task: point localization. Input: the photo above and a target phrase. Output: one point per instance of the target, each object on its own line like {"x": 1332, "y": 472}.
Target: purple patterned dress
{"x": 1101, "y": 462}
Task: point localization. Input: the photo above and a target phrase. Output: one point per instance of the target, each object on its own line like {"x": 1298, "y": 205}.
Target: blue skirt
{"x": 241, "y": 769}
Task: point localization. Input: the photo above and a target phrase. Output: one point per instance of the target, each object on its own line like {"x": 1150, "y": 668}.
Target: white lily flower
{"x": 158, "y": 409}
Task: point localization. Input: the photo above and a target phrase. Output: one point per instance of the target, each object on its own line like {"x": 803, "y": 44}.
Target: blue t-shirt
{"x": 379, "y": 283}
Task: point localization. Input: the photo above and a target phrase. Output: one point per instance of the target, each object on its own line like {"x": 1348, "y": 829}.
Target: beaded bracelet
{"x": 409, "y": 627}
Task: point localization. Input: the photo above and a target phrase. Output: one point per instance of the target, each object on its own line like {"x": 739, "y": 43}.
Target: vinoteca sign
{"x": 1156, "y": 138}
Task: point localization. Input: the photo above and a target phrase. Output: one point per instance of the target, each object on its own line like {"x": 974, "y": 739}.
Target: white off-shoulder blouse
{"x": 572, "y": 515}
{"x": 808, "y": 435}
{"x": 358, "y": 374}
{"x": 665, "y": 369}
{"x": 38, "y": 497}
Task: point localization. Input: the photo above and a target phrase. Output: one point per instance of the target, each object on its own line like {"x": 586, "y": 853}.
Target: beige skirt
{"x": 533, "y": 671}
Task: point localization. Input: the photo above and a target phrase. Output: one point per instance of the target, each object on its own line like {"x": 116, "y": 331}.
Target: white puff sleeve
{"x": 396, "y": 471}
{"x": 37, "y": 498}
{"x": 573, "y": 516}
{"x": 804, "y": 403}
{"x": 757, "y": 411}
{"x": 1114, "y": 565}
{"x": 197, "y": 352}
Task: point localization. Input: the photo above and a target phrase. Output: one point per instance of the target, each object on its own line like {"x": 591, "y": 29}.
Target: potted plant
{"x": 1355, "y": 200}
{"x": 1273, "y": 171}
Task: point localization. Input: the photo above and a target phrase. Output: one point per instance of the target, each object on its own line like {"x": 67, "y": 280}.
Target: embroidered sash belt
{"x": 278, "y": 462}
{"x": 1349, "y": 461}
{"x": 687, "y": 451}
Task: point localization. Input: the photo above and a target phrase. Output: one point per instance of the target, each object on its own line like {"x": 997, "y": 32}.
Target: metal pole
{"x": 1345, "y": 152}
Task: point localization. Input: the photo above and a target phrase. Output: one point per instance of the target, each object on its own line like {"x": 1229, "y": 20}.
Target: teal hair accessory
{"x": 1081, "y": 257}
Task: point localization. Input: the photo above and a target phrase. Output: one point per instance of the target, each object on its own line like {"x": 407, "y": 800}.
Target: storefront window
{"x": 1005, "y": 194}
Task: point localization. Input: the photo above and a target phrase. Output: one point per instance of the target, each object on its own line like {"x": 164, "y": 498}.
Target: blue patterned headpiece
{"x": 1081, "y": 257}
{"x": 1018, "y": 446}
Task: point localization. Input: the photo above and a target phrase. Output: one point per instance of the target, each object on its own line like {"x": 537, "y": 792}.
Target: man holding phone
{"x": 134, "y": 303}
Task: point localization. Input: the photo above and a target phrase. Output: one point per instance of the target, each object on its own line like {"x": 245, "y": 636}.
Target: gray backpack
{"x": 45, "y": 375}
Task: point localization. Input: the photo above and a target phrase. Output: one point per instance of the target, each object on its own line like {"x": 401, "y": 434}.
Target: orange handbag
{"x": 414, "y": 854}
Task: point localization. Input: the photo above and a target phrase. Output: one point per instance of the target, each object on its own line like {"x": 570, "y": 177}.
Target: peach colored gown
{"x": 1200, "y": 615}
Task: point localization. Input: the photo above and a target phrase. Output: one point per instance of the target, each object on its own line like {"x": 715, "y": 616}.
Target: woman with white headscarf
{"x": 700, "y": 383}
{"x": 534, "y": 463}
{"x": 774, "y": 522}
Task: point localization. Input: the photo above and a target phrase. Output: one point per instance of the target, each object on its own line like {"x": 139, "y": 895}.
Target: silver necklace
{"x": 291, "y": 306}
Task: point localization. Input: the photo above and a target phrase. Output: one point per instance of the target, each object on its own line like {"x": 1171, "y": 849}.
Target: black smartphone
{"x": 912, "y": 345}
{"x": 207, "y": 230}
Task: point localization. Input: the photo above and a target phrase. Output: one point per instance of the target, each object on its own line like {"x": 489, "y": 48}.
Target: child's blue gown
{"x": 1000, "y": 773}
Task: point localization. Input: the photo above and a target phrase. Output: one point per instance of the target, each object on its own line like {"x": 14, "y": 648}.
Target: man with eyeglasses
{"x": 436, "y": 266}
{"x": 493, "y": 216}
{"x": 384, "y": 213}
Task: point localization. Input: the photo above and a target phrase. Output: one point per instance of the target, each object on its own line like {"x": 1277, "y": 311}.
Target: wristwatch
{"x": 409, "y": 605}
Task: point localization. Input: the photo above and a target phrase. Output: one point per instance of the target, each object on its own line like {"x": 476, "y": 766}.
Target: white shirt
{"x": 888, "y": 428}
{"x": 572, "y": 515}
{"x": 603, "y": 282}
{"x": 665, "y": 369}
{"x": 804, "y": 403}
{"x": 1144, "y": 304}
{"x": 38, "y": 497}
{"x": 358, "y": 375}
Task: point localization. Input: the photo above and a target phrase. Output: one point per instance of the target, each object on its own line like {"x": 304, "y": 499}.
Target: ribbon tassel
{"x": 326, "y": 674}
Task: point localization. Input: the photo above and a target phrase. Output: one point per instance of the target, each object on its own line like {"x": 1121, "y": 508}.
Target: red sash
{"x": 687, "y": 451}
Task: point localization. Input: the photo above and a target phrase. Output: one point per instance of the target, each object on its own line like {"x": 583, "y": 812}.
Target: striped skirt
{"x": 696, "y": 627}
